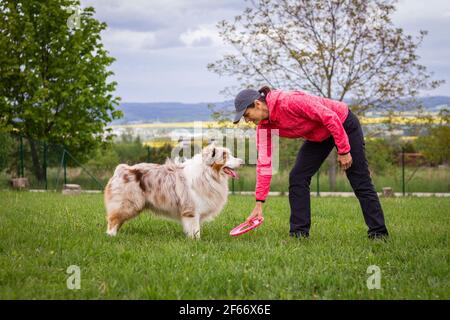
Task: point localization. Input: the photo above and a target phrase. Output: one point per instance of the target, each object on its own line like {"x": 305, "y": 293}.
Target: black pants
{"x": 310, "y": 158}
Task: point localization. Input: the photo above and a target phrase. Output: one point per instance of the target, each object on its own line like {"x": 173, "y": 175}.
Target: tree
{"x": 129, "y": 149}
{"x": 435, "y": 146}
{"x": 6, "y": 147}
{"x": 380, "y": 155}
{"x": 54, "y": 78}
{"x": 338, "y": 49}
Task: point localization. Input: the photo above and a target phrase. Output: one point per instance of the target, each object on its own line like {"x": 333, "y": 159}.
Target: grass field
{"x": 42, "y": 234}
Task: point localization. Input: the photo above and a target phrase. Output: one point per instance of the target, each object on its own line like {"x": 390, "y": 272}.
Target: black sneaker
{"x": 299, "y": 234}
{"x": 378, "y": 236}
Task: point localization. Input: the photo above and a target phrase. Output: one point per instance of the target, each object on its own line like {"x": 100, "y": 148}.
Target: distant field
{"x": 41, "y": 235}
{"x": 229, "y": 124}
{"x": 157, "y": 142}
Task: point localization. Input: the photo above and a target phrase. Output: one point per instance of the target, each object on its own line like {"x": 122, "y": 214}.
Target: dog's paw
{"x": 193, "y": 235}
{"x": 112, "y": 232}
{"x": 197, "y": 235}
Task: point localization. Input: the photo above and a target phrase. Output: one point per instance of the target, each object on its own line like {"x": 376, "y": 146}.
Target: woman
{"x": 324, "y": 124}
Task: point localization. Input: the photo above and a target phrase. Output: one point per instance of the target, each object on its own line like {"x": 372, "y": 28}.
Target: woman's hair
{"x": 263, "y": 91}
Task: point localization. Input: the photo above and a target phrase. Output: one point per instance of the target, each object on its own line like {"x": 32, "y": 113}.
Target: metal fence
{"x": 50, "y": 167}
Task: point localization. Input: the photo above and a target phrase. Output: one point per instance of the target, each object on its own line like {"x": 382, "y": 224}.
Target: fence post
{"x": 18, "y": 163}
{"x": 65, "y": 166}
{"x": 403, "y": 171}
{"x": 21, "y": 173}
{"x": 45, "y": 165}
{"x": 318, "y": 187}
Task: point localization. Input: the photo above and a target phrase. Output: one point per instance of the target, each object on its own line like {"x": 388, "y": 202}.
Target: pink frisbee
{"x": 246, "y": 226}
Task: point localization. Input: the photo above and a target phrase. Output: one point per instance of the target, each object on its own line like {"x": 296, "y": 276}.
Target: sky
{"x": 163, "y": 47}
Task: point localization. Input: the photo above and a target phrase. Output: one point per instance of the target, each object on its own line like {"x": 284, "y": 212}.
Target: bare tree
{"x": 339, "y": 49}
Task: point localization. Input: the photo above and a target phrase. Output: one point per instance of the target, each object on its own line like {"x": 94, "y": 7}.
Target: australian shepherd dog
{"x": 191, "y": 192}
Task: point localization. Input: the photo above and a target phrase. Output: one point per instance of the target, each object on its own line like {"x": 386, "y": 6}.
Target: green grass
{"x": 41, "y": 235}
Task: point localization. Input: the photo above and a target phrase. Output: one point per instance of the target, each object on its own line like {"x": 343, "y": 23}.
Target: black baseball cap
{"x": 243, "y": 100}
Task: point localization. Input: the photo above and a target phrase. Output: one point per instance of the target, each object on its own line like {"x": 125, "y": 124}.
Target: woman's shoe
{"x": 299, "y": 234}
{"x": 378, "y": 236}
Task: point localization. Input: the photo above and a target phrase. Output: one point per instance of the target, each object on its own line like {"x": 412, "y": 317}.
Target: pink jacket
{"x": 297, "y": 115}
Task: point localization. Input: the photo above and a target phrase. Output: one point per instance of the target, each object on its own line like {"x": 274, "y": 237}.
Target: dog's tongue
{"x": 231, "y": 172}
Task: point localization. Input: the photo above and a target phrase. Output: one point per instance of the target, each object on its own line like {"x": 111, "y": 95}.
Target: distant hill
{"x": 183, "y": 112}
{"x": 167, "y": 111}
{"x": 435, "y": 103}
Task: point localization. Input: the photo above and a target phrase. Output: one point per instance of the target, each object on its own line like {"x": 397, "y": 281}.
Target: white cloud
{"x": 145, "y": 15}
{"x": 117, "y": 40}
{"x": 412, "y": 11}
{"x": 163, "y": 47}
{"x": 434, "y": 52}
{"x": 202, "y": 35}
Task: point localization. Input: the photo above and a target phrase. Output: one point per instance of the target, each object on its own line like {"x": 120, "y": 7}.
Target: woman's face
{"x": 257, "y": 113}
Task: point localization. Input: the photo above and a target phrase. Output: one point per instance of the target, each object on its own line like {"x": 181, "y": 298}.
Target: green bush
{"x": 105, "y": 159}
{"x": 435, "y": 146}
{"x": 380, "y": 155}
{"x": 159, "y": 155}
{"x": 129, "y": 149}
{"x": 6, "y": 147}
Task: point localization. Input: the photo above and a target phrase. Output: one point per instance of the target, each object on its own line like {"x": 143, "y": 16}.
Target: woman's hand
{"x": 257, "y": 212}
{"x": 345, "y": 160}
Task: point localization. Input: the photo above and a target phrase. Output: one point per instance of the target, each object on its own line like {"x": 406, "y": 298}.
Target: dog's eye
{"x": 214, "y": 152}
